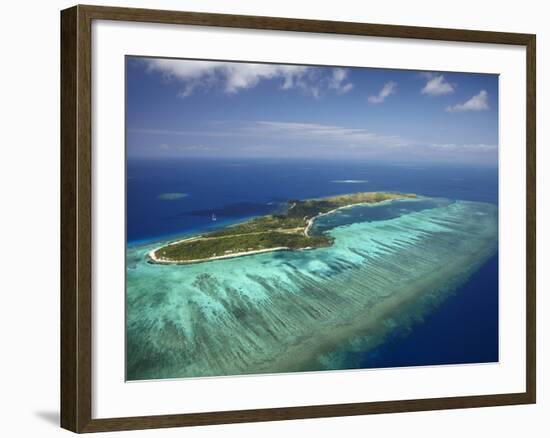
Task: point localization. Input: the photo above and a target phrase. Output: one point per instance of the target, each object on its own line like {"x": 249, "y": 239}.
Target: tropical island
{"x": 286, "y": 231}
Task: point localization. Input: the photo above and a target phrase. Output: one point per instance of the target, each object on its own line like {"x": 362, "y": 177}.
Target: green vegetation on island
{"x": 171, "y": 196}
{"x": 289, "y": 230}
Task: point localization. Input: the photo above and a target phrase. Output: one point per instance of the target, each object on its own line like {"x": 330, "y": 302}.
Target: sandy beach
{"x": 312, "y": 220}
{"x": 161, "y": 261}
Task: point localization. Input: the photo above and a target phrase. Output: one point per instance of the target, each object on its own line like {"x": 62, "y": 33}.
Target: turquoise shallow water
{"x": 304, "y": 310}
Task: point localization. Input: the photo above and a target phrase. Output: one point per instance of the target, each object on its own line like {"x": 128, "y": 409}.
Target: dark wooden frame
{"x": 76, "y": 219}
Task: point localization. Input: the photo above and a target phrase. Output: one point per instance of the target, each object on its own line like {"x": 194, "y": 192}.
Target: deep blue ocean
{"x": 462, "y": 329}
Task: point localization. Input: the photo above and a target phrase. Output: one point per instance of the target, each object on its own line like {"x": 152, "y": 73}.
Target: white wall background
{"x": 29, "y": 217}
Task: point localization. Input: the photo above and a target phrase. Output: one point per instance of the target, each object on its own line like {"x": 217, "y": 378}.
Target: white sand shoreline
{"x": 312, "y": 220}
{"x": 161, "y": 261}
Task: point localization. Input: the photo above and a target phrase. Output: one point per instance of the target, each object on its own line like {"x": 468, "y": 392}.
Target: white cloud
{"x": 235, "y": 76}
{"x": 387, "y": 89}
{"x": 321, "y": 133}
{"x": 437, "y": 85}
{"x": 479, "y": 102}
{"x": 270, "y": 138}
{"x": 339, "y": 82}
{"x": 156, "y": 131}
{"x": 314, "y": 133}
{"x": 170, "y": 149}
{"x": 452, "y": 147}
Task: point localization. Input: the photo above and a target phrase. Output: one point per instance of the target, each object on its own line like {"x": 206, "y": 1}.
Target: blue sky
{"x": 188, "y": 108}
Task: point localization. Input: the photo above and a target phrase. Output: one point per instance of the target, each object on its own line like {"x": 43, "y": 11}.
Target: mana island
{"x": 275, "y": 232}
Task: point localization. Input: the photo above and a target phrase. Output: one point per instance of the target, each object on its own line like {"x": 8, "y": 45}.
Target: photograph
{"x": 285, "y": 218}
{"x": 275, "y": 219}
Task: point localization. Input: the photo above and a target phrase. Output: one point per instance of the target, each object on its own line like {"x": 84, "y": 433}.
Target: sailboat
{"x": 214, "y": 217}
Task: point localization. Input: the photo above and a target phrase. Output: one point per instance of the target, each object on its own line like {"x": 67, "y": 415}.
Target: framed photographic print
{"x": 268, "y": 218}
